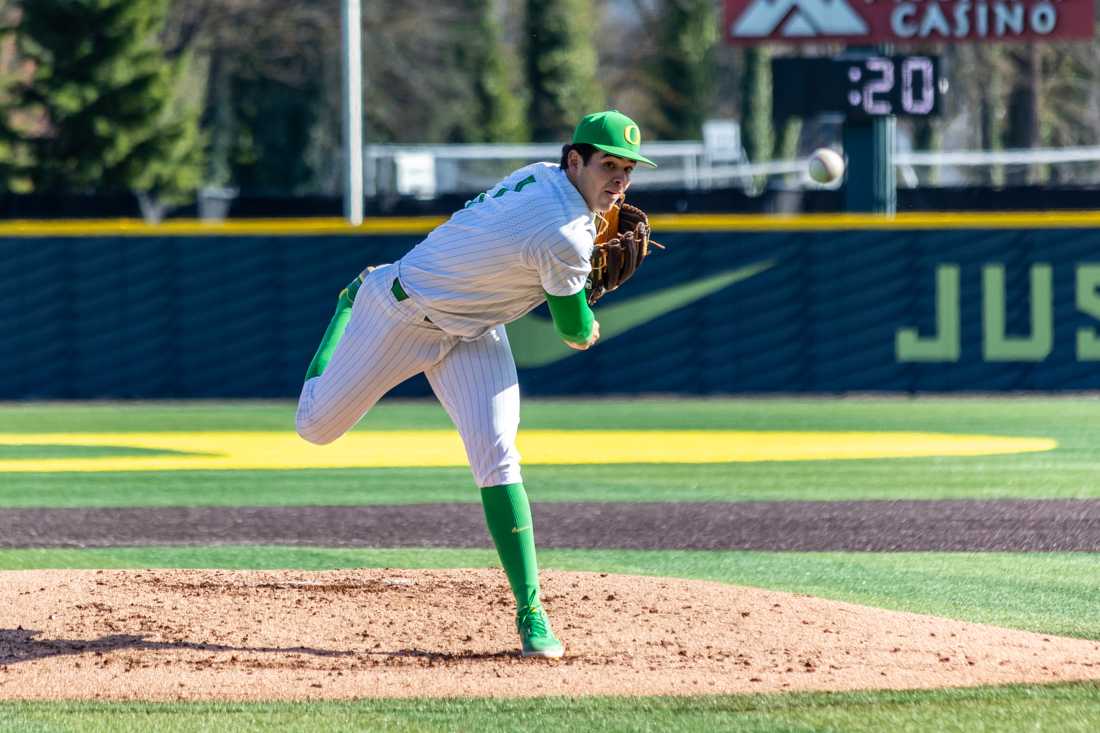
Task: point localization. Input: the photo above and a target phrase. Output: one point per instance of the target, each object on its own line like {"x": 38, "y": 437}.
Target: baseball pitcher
{"x": 555, "y": 233}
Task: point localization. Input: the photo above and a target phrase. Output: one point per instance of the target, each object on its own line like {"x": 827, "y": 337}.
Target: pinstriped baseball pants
{"x": 387, "y": 342}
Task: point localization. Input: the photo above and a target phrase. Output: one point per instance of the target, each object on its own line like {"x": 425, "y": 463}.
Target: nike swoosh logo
{"x": 517, "y": 530}
{"x": 535, "y": 343}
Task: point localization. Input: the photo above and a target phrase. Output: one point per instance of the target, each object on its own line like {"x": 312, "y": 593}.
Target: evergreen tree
{"x": 498, "y": 111}
{"x": 261, "y": 118}
{"x": 102, "y": 96}
{"x": 756, "y": 105}
{"x": 786, "y": 142}
{"x": 687, "y": 32}
{"x": 270, "y": 124}
{"x": 1022, "y": 128}
{"x": 561, "y": 66}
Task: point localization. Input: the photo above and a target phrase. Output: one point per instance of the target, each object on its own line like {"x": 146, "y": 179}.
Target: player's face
{"x": 603, "y": 181}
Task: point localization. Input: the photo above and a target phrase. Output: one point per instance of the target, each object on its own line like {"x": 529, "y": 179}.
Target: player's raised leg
{"x": 385, "y": 343}
{"x": 478, "y": 387}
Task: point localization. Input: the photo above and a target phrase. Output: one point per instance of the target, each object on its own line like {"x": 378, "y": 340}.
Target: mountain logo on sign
{"x": 799, "y": 19}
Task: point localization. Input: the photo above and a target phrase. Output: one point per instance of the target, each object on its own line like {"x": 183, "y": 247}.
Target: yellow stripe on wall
{"x": 230, "y": 228}
{"x": 839, "y": 222}
{"x": 418, "y": 225}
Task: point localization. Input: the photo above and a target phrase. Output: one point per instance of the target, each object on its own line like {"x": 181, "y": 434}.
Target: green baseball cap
{"x": 612, "y": 132}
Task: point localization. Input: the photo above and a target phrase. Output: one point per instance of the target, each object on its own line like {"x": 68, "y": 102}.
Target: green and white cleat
{"x": 534, "y": 631}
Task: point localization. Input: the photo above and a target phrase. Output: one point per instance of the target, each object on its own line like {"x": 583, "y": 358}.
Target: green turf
{"x": 39, "y": 451}
{"x": 1068, "y": 416}
{"x": 1063, "y": 708}
{"x": 1049, "y": 593}
{"x": 999, "y": 477}
{"x": 1068, "y": 472}
{"x": 1002, "y": 477}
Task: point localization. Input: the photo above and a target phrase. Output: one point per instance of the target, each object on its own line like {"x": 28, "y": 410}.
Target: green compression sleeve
{"x": 572, "y": 316}
{"x": 335, "y": 330}
{"x": 508, "y": 514}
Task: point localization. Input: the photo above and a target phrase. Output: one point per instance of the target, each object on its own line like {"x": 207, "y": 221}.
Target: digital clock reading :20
{"x": 899, "y": 85}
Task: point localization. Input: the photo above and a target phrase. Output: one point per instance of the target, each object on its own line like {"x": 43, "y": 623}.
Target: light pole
{"x": 351, "y": 94}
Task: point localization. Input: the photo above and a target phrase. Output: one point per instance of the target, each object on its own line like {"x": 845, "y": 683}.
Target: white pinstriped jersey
{"x": 490, "y": 262}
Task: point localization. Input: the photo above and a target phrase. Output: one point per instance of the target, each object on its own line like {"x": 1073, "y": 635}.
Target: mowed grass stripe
{"x": 1054, "y": 476}
{"x": 994, "y": 415}
{"x": 1048, "y": 593}
{"x": 1069, "y": 708}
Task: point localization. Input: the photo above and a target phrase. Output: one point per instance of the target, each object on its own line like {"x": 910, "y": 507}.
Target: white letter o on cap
{"x": 632, "y": 134}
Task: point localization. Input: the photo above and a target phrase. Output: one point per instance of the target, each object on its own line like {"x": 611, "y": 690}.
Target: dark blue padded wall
{"x": 239, "y": 316}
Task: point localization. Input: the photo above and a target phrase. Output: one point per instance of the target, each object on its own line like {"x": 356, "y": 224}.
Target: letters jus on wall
{"x": 997, "y": 346}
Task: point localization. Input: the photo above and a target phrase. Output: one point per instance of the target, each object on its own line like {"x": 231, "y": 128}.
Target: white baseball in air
{"x": 826, "y": 165}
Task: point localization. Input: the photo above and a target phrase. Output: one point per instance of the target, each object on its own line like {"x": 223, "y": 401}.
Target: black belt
{"x": 399, "y": 294}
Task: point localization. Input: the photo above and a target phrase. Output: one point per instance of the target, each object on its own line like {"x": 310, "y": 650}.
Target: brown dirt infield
{"x": 292, "y": 635}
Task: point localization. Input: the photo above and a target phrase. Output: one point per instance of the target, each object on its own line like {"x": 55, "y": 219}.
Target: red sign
{"x": 753, "y": 22}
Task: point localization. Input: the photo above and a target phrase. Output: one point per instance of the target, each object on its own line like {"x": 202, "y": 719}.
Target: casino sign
{"x": 752, "y": 22}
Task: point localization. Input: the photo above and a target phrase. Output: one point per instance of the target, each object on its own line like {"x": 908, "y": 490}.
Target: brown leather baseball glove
{"x": 621, "y": 246}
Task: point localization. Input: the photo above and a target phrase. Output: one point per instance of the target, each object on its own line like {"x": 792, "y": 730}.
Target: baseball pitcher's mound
{"x": 220, "y": 635}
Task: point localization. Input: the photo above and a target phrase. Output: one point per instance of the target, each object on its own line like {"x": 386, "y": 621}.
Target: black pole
{"x": 871, "y": 185}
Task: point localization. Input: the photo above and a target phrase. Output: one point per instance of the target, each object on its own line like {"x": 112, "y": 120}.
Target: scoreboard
{"x": 860, "y": 87}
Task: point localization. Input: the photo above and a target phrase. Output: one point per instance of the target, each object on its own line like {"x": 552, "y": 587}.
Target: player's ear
{"x": 575, "y": 160}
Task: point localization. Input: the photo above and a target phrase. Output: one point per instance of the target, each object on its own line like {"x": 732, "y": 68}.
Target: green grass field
{"x": 1061, "y": 708}
{"x": 1051, "y": 593}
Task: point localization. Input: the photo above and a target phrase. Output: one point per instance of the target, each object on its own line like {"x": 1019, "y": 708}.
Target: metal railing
{"x": 431, "y": 170}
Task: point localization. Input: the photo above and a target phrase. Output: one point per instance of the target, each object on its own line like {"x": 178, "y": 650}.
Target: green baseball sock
{"x": 335, "y": 330}
{"x": 508, "y": 514}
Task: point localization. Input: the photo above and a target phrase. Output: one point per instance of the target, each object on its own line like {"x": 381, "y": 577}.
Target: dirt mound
{"x": 210, "y": 634}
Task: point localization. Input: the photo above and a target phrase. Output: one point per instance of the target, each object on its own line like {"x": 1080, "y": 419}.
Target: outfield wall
{"x": 751, "y": 304}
